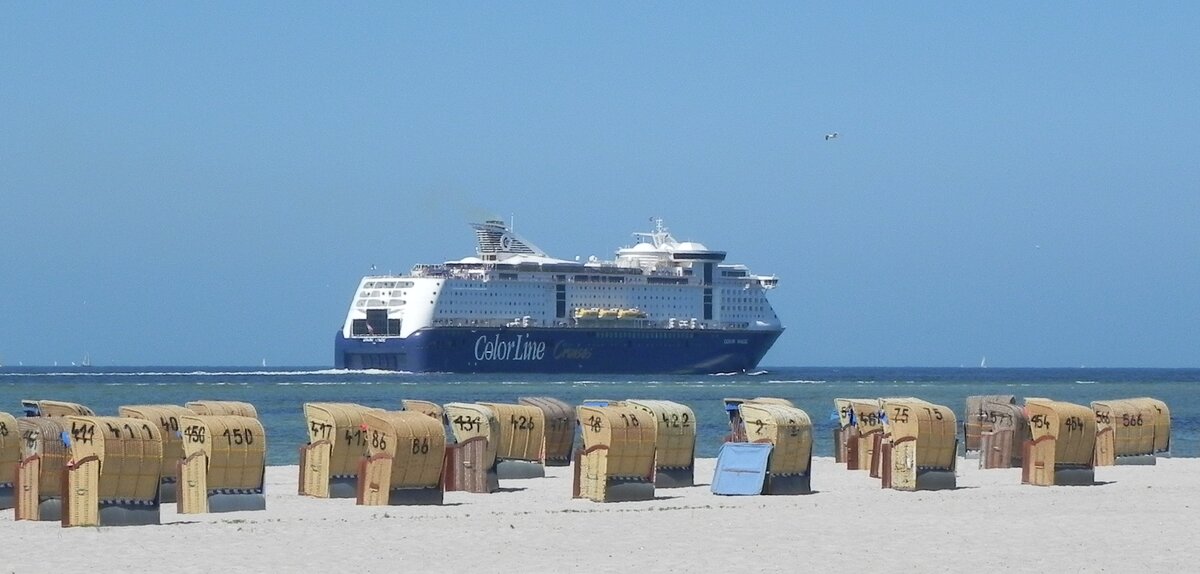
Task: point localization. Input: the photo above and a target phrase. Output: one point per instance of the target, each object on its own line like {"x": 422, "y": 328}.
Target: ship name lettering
{"x": 519, "y": 348}
{"x": 567, "y": 351}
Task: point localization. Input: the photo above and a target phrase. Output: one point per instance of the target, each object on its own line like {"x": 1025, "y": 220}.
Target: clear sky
{"x": 204, "y": 183}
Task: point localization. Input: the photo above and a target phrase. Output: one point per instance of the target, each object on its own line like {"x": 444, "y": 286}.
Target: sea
{"x": 279, "y": 394}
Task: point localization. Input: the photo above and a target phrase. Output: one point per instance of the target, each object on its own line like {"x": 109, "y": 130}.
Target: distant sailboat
{"x": 87, "y": 360}
{"x": 983, "y": 362}
{"x": 264, "y": 362}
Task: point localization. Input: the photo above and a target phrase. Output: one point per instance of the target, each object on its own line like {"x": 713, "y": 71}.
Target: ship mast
{"x": 660, "y": 237}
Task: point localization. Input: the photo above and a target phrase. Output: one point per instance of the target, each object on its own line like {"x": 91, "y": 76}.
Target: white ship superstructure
{"x": 657, "y": 288}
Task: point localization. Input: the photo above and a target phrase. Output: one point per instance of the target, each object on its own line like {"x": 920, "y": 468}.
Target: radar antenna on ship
{"x": 659, "y": 238}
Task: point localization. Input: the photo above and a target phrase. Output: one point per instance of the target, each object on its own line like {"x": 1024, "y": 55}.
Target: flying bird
{"x": 831, "y": 136}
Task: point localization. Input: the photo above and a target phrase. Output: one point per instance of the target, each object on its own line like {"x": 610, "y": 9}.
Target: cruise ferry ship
{"x": 661, "y": 306}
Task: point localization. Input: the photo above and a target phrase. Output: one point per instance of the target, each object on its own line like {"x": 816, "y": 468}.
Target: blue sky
{"x": 204, "y": 183}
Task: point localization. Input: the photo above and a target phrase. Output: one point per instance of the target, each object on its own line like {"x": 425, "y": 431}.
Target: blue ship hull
{"x": 572, "y": 350}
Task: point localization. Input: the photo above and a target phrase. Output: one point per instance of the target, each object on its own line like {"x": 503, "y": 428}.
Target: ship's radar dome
{"x": 691, "y": 246}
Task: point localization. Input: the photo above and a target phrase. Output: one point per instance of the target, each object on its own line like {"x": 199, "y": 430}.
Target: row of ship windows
{"x": 409, "y": 284}
{"x": 614, "y": 303}
{"x": 577, "y": 289}
{"x": 492, "y": 313}
{"x": 642, "y": 335}
{"x": 469, "y": 304}
{"x": 480, "y": 294}
{"x": 739, "y": 277}
{"x": 387, "y": 284}
{"x": 452, "y": 303}
{"x": 577, "y": 299}
{"x": 488, "y": 304}
{"x": 627, "y": 288}
{"x": 380, "y": 303}
{"x": 503, "y": 287}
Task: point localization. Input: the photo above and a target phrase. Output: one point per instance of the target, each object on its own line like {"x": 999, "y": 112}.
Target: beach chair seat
{"x": 617, "y": 460}
{"x": 337, "y": 442}
{"x": 1061, "y": 449}
{"x": 239, "y": 408}
{"x": 224, "y": 464}
{"x": 113, "y": 474}
{"x": 10, "y": 459}
{"x": 922, "y": 449}
{"x": 427, "y": 408}
{"x": 167, "y": 418}
{"x": 471, "y": 463}
{"x": 48, "y": 408}
{"x": 404, "y": 459}
{"x": 521, "y": 450}
{"x": 559, "y": 428}
{"x": 674, "y": 441}
{"x": 789, "y": 431}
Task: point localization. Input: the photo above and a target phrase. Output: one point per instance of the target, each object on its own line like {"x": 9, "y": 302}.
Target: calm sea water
{"x": 279, "y": 395}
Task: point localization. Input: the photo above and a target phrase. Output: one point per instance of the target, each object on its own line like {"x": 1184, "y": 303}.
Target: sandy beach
{"x": 1139, "y": 518}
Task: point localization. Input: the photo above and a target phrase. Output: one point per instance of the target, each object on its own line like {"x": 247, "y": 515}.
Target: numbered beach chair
{"x": 1162, "y": 428}
{"x": 617, "y": 460}
{"x": 404, "y": 461}
{"x": 224, "y": 464}
{"x": 1127, "y": 431}
{"x": 674, "y": 442}
{"x": 737, "y": 431}
{"x": 559, "y": 428}
{"x": 976, "y": 420}
{"x": 471, "y": 461}
{"x": 45, "y": 408}
{"x": 865, "y": 432}
{"x": 10, "y": 458}
{"x": 922, "y": 448}
{"x": 841, "y": 433}
{"x": 167, "y": 418}
{"x": 239, "y": 408}
{"x": 1061, "y": 450}
{"x": 521, "y": 450}
{"x": 789, "y": 431}
{"x": 424, "y": 407}
{"x": 38, "y": 485}
{"x": 337, "y": 442}
{"x": 112, "y": 476}
{"x": 736, "y": 428}
{"x": 1004, "y": 432}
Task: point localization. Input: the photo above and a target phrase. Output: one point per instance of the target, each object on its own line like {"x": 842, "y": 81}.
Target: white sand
{"x": 1142, "y": 518}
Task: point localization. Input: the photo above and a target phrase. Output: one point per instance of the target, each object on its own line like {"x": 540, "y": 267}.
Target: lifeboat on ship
{"x": 634, "y": 313}
{"x": 587, "y": 313}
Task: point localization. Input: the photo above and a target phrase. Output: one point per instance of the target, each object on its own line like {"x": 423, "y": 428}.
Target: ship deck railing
{"x": 481, "y": 272}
